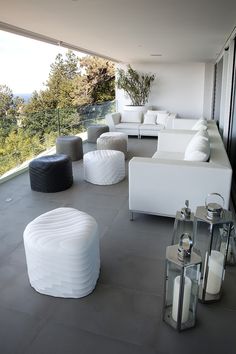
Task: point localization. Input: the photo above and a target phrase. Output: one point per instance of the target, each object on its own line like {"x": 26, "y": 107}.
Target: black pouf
{"x": 52, "y": 173}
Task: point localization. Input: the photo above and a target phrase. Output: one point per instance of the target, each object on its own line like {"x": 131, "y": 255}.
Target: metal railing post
{"x": 58, "y": 121}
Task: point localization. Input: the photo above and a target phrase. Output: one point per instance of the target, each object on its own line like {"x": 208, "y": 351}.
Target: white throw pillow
{"x": 203, "y": 133}
{"x": 202, "y": 127}
{"x": 149, "y": 118}
{"x": 198, "y": 149}
{"x": 162, "y": 118}
{"x": 201, "y": 124}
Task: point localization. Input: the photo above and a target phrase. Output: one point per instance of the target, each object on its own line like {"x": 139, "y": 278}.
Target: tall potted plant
{"x": 136, "y": 85}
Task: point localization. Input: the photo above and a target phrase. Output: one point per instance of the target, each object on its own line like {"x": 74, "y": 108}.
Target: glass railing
{"x": 29, "y": 135}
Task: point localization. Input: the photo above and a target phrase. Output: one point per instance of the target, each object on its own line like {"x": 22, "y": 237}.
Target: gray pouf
{"x": 50, "y": 174}
{"x": 94, "y": 131}
{"x": 71, "y": 146}
{"x": 113, "y": 141}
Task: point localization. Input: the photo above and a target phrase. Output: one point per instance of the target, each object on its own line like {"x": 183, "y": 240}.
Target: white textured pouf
{"x": 62, "y": 253}
{"x": 116, "y": 135}
{"x": 104, "y": 167}
{"x": 113, "y": 141}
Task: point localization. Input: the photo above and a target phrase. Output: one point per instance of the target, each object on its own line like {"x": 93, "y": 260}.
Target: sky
{"x": 25, "y": 63}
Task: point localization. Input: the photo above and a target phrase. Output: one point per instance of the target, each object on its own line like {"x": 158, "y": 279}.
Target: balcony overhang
{"x": 130, "y": 32}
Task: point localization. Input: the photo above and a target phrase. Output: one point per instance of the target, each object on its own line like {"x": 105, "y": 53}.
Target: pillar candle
{"x": 186, "y": 298}
{"x": 215, "y": 272}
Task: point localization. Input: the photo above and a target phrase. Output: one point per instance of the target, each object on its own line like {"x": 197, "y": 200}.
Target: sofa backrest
{"x": 131, "y": 117}
{"x": 183, "y": 123}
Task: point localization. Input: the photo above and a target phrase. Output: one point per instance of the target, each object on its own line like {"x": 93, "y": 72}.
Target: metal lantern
{"x": 184, "y": 221}
{"x": 213, "y": 226}
{"x": 181, "y": 284}
{"x": 231, "y": 254}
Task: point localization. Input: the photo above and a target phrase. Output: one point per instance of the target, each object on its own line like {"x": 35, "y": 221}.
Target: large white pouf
{"x": 62, "y": 253}
{"x": 104, "y": 167}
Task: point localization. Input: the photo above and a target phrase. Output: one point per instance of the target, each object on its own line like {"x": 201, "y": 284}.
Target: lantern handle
{"x": 212, "y": 194}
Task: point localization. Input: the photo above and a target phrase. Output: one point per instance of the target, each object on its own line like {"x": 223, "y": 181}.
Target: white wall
{"x": 208, "y": 90}
{"x": 177, "y": 88}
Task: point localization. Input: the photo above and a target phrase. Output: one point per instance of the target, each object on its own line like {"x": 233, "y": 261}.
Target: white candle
{"x": 215, "y": 272}
{"x": 186, "y": 299}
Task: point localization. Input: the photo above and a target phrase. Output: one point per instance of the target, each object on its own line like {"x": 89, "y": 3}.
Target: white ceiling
{"x": 130, "y": 30}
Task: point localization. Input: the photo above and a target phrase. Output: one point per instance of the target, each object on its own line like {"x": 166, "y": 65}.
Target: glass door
{"x": 231, "y": 147}
{"x": 217, "y": 90}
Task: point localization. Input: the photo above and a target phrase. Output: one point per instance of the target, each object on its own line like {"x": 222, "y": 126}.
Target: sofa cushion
{"x": 149, "y": 118}
{"x": 162, "y": 118}
{"x": 128, "y": 126}
{"x": 144, "y": 127}
{"x": 198, "y": 149}
{"x": 168, "y": 155}
{"x": 131, "y": 117}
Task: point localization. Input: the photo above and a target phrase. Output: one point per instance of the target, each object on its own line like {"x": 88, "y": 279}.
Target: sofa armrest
{"x": 112, "y": 119}
{"x": 173, "y": 140}
{"x": 158, "y": 186}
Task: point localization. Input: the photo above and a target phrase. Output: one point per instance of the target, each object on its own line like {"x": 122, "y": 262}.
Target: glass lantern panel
{"x": 182, "y": 226}
{"x": 231, "y": 251}
{"x": 207, "y": 237}
{"x": 175, "y": 274}
{"x": 172, "y": 273}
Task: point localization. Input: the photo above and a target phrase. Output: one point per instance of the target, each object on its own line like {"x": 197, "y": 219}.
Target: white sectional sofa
{"x": 137, "y": 123}
{"x": 161, "y": 184}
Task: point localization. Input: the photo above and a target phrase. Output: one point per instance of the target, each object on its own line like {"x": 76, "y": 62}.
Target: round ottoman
{"x": 62, "y": 253}
{"x": 104, "y": 167}
{"x": 71, "y": 146}
{"x": 94, "y": 131}
{"x": 52, "y": 173}
{"x": 113, "y": 141}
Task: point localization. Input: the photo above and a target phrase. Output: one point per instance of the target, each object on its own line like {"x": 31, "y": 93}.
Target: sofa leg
{"x": 131, "y": 216}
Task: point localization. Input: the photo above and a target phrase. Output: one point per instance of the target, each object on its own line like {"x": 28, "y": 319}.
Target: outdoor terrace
{"x": 123, "y": 314}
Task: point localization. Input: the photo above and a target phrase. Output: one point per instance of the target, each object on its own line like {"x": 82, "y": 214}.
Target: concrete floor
{"x": 123, "y": 314}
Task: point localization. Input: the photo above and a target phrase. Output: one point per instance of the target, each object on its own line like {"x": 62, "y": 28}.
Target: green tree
{"x": 61, "y": 82}
{"x": 10, "y": 108}
{"x": 72, "y": 82}
{"x": 6, "y": 100}
{"x": 98, "y": 79}
{"x": 16, "y": 148}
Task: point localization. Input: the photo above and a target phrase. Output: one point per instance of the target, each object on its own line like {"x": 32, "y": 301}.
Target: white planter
{"x": 142, "y": 109}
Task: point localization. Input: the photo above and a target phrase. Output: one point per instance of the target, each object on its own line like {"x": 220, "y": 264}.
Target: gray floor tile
{"x": 214, "y": 333}
{"x": 139, "y": 243}
{"x": 20, "y": 296}
{"x": 112, "y": 312}
{"x": 60, "y": 339}
{"x": 17, "y": 331}
{"x": 132, "y": 272}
